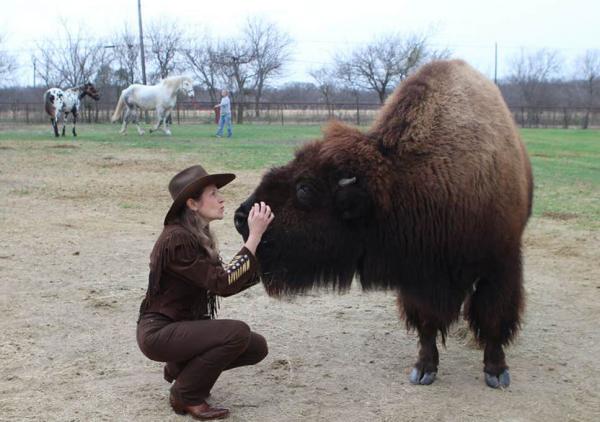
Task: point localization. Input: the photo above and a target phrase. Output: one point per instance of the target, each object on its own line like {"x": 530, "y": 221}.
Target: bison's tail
{"x": 529, "y": 177}
{"x": 530, "y": 187}
{"x": 119, "y": 110}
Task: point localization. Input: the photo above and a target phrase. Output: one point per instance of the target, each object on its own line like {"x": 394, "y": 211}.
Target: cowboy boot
{"x": 202, "y": 411}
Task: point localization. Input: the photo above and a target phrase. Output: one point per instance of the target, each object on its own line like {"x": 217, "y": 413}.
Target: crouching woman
{"x": 177, "y": 322}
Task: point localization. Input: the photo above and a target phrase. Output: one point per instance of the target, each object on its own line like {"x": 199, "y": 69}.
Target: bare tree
{"x": 438, "y": 54}
{"x": 346, "y": 76}
{"x": 270, "y": 48}
{"x": 165, "y": 40}
{"x": 204, "y": 59}
{"x": 126, "y": 53}
{"x": 326, "y": 82}
{"x": 8, "y": 63}
{"x": 71, "y": 62}
{"x": 531, "y": 71}
{"x": 588, "y": 69}
{"x": 383, "y": 63}
{"x": 235, "y": 57}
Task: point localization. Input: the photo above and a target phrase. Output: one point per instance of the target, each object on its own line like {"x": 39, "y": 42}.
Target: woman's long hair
{"x": 198, "y": 226}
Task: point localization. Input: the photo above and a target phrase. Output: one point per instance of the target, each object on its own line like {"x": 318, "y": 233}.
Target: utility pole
{"x": 496, "y": 63}
{"x": 142, "y": 55}
{"x": 34, "y": 70}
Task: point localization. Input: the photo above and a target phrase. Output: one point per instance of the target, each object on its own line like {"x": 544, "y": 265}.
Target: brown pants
{"x": 197, "y": 352}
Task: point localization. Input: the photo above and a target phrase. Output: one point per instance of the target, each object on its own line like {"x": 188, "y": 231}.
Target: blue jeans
{"x": 225, "y": 119}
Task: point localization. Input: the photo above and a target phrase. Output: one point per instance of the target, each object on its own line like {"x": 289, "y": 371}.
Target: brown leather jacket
{"x": 181, "y": 275}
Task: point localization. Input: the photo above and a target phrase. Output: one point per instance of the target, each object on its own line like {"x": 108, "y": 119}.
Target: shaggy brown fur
{"x": 433, "y": 204}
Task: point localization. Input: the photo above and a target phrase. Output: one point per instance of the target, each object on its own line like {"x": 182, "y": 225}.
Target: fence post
{"x": 586, "y": 119}
{"x": 27, "y": 113}
{"x": 178, "y": 119}
{"x": 357, "y": 112}
{"x": 523, "y": 116}
{"x": 281, "y": 110}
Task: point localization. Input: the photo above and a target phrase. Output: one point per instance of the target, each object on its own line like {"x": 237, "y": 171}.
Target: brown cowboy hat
{"x": 189, "y": 183}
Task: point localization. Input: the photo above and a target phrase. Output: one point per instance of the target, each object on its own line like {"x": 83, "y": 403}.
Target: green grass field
{"x": 252, "y": 147}
{"x": 566, "y": 163}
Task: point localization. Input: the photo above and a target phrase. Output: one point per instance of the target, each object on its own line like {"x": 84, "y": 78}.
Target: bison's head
{"x": 323, "y": 206}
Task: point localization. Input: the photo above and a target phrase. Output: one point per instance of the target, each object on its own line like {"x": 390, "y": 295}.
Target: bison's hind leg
{"x": 420, "y": 315}
{"x": 494, "y": 314}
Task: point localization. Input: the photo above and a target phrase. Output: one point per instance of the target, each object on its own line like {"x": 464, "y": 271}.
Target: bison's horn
{"x": 346, "y": 182}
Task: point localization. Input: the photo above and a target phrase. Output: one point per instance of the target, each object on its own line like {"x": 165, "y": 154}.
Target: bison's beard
{"x": 299, "y": 263}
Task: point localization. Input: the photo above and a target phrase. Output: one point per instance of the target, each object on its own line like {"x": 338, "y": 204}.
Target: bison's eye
{"x": 305, "y": 194}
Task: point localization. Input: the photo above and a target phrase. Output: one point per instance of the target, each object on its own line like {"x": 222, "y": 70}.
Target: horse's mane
{"x": 174, "y": 81}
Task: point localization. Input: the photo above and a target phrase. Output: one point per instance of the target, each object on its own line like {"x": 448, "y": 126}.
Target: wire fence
{"x": 294, "y": 113}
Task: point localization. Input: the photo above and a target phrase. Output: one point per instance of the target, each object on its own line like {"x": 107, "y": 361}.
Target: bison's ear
{"x": 351, "y": 199}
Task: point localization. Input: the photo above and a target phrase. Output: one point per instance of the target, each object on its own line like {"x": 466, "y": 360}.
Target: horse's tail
{"x": 49, "y": 103}
{"x": 119, "y": 110}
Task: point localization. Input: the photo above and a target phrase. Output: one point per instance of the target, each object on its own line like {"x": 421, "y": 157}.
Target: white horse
{"x": 59, "y": 104}
{"x": 161, "y": 97}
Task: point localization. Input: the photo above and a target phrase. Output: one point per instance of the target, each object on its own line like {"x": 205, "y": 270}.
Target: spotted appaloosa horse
{"x": 60, "y": 103}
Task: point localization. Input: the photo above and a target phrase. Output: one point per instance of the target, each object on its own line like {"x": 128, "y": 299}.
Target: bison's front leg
{"x": 425, "y": 370}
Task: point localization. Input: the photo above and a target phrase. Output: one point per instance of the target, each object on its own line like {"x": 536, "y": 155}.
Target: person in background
{"x": 225, "y": 118}
{"x": 177, "y": 322}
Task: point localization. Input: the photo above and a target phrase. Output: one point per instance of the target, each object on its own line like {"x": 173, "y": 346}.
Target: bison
{"x": 430, "y": 202}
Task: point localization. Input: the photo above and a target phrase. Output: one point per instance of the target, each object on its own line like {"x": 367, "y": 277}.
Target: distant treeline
{"x": 252, "y": 65}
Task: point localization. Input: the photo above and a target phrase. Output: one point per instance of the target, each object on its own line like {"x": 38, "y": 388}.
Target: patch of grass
{"x": 566, "y": 163}
{"x": 127, "y": 206}
{"x": 251, "y": 147}
{"x": 566, "y": 168}
{"x": 21, "y": 192}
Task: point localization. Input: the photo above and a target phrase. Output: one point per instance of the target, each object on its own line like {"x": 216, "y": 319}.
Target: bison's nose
{"x": 240, "y": 219}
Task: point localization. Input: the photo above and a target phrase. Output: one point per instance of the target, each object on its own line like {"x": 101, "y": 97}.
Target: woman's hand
{"x": 259, "y": 218}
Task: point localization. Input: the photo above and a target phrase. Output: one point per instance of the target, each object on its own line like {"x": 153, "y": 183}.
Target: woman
{"x": 177, "y": 324}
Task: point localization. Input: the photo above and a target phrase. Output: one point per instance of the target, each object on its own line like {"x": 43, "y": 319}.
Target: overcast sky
{"x": 469, "y": 28}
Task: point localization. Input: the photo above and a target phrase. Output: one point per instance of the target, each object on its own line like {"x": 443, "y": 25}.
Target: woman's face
{"x": 209, "y": 205}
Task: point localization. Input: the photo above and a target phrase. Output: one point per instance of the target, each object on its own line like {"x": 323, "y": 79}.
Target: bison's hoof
{"x": 417, "y": 376}
{"x": 500, "y": 381}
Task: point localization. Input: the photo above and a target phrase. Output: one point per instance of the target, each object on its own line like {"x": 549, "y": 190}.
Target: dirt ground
{"x": 78, "y": 222}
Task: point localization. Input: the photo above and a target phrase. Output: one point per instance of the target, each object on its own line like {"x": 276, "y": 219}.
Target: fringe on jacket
{"x": 162, "y": 253}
